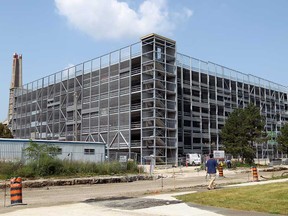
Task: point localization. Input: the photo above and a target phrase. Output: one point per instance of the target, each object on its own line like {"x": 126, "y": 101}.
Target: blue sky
{"x": 248, "y": 36}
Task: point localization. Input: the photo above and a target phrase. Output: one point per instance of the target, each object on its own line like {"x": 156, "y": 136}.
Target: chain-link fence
{"x": 86, "y": 156}
{"x": 123, "y": 156}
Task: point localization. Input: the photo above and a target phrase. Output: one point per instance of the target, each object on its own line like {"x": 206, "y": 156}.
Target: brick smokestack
{"x": 16, "y": 82}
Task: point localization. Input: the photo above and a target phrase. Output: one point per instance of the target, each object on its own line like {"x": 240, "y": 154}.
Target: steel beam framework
{"x": 146, "y": 100}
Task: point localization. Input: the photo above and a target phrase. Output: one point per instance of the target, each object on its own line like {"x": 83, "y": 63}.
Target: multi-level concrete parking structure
{"x": 145, "y": 99}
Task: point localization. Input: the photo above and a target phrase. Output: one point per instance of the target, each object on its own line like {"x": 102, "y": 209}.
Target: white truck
{"x": 193, "y": 159}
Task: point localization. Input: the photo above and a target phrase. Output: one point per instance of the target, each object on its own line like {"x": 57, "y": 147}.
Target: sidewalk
{"x": 184, "y": 209}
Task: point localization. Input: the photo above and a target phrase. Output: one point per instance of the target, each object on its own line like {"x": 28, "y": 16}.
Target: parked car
{"x": 193, "y": 159}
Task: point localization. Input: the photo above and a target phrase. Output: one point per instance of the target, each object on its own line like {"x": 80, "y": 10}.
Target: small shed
{"x": 13, "y": 149}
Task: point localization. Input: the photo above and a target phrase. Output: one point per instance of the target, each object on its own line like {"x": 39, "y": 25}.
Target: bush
{"x": 27, "y": 172}
{"x": 69, "y": 168}
{"x": 132, "y": 166}
{"x": 9, "y": 169}
{"x": 49, "y": 166}
{"x": 240, "y": 164}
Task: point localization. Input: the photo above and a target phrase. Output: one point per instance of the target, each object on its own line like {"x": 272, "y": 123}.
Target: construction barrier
{"x": 220, "y": 170}
{"x": 254, "y": 173}
{"x": 16, "y": 191}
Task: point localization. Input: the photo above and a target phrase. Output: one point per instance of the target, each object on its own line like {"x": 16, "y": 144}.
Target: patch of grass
{"x": 51, "y": 167}
{"x": 9, "y": 169}
{"x": 269, "y": 198}
{"x": 236, "y": 164}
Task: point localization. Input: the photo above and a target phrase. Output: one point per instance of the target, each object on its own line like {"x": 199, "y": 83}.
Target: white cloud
{"x": 111, "y": 19}
{"x": 188, "y": 12}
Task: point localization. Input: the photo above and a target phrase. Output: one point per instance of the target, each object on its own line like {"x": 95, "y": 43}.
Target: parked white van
{"x": 193, "y": 159}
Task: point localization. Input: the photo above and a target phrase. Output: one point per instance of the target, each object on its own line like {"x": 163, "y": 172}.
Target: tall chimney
{"x": 16, "y": 82}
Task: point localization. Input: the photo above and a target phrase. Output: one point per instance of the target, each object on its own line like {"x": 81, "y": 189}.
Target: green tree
{"x": 242, "y": 129}
{"x": 37, "y": 151}
{"x": 282, "y": 139}
{"x": 5, "y": 131}
{"x": 42, "y": 159}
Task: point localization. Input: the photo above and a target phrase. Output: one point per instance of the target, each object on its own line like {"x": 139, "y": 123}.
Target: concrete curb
{"x": 78, "y": 181}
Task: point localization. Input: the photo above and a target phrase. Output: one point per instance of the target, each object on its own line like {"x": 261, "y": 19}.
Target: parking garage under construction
{"x": 145, "y": 100}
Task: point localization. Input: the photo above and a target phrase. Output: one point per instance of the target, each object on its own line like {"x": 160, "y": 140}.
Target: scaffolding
{"x": 159, "y": 102}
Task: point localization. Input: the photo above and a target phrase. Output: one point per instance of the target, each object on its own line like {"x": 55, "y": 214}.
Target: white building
{"x": 13, "y": 150}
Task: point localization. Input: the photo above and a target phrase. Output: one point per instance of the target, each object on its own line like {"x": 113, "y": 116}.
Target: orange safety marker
{"x": 255, "y": 173}
{"x": 220, "y": 170}
{"x": 16, "y": 191}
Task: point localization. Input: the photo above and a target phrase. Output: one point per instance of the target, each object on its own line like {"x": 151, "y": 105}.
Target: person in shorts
{"x": 211, "y": 168}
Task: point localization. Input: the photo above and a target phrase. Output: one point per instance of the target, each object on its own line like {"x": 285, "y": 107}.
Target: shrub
{"x": 48, "y": 166}
{"x": 240, "y": 164}
{"x": 9, "y": 169}
{"x": 132, "y": 166}
{"x": 27, "y": 172}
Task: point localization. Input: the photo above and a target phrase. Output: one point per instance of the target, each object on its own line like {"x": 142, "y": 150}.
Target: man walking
{"x": 211, "y": 168}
